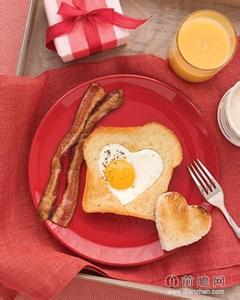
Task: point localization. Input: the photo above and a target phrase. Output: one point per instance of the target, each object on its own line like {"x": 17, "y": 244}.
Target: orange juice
{"x": 205, "y": 42}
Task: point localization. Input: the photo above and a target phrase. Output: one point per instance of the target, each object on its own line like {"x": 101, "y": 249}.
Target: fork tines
{"x": 202, "y": 177}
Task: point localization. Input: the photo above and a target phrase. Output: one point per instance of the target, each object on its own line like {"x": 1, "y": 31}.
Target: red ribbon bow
{"x": 71, "y": 15}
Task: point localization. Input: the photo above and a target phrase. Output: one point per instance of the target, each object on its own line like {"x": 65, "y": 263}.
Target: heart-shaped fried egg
{"x": 129, "y": 174}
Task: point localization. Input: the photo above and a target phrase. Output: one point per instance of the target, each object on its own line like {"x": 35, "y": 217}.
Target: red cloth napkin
{"x": 31, "y": 260}
{"x": 14, "y": 15}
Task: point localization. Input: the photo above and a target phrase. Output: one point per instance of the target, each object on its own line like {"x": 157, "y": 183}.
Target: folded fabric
{"x": 31, "y": 260}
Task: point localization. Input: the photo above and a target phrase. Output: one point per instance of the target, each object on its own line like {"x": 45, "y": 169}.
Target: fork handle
{"x": 230, "y": 220}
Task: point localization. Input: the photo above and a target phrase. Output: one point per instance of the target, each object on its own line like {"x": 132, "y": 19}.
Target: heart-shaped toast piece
{"x": 179, "y": 224}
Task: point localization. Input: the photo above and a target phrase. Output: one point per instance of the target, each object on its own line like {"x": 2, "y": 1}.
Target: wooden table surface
{"x": 153, "y": 38}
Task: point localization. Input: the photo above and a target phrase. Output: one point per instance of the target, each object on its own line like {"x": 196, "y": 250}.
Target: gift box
{"x": 85, "y": 27}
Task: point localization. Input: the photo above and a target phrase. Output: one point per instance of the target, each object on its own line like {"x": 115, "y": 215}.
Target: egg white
{"x": 147, "y": 164}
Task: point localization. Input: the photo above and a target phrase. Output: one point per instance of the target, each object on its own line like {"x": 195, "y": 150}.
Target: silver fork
{"x": 211, "y": 190}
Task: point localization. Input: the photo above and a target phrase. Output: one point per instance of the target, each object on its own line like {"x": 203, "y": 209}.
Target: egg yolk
{"x": 120, "y": 174}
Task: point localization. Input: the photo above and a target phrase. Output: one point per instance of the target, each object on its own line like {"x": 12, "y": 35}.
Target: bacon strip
{"x": 64, "y": 212}
{"x": 92, "y": 97}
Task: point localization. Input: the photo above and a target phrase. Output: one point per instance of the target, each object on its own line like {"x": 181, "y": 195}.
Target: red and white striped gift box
{"x": 74, "y": 44}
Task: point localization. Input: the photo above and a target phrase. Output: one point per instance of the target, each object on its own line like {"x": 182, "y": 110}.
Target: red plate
{"x": 108, "y": 238}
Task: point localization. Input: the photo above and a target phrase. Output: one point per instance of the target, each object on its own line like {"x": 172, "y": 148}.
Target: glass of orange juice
{"x": 205, "y": 42}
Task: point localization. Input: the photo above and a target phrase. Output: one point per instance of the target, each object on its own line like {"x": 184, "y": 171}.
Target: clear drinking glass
{"x": 194, "y": 30}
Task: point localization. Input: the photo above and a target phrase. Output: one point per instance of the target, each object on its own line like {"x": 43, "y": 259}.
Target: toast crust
{"x": 97, "y": 196}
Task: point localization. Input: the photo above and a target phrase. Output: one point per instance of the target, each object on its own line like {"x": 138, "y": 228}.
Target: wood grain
{"x": 153, "y": 37}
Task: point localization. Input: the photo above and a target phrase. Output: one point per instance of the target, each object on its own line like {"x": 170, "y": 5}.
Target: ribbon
{"x": 73, "y": 14}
